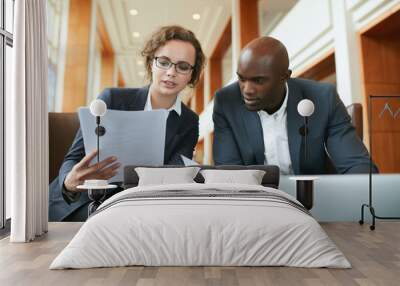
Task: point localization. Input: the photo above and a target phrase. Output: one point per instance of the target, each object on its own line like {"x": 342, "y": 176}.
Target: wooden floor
{"x": 374, "y": 255}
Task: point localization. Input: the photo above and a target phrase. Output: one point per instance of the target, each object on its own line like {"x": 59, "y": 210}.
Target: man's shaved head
{"x": 263, "y": 70}
{"x": 267, "y": 51}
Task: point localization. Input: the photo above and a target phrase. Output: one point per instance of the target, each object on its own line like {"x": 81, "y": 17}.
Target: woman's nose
{"x": 171, "y": 71}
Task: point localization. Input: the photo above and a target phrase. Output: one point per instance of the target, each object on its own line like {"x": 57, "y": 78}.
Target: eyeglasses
{"x": 180, "y": 67}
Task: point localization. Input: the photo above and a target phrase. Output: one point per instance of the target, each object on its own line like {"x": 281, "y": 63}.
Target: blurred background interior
{"x": 353, "y": 44}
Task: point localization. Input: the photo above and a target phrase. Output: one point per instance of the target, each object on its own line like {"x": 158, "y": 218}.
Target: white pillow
{"x": 165, "y": 176}
{"x": 248, "y": 177}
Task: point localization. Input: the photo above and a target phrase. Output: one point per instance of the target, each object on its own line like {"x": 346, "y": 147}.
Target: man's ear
{"x": 286, "y": 75}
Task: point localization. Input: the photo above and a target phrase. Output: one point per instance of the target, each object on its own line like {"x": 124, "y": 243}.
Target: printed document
{"x": 134, "y": 137}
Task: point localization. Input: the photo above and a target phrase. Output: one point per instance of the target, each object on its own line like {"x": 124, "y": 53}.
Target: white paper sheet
{"x": 134, "y": 137}
{"x": 188, "y": 162}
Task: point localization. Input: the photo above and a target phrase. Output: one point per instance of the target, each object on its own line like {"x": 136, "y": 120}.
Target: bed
{"x": 201, "y": 223}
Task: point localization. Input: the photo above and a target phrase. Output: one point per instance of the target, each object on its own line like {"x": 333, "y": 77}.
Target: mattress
{"x": 201, "y": 225}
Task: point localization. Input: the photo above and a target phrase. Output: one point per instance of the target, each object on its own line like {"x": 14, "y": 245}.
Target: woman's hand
{"x": 103, "y": 170}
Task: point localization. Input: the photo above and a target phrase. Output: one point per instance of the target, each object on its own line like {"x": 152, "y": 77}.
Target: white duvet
{"x": 185, "y": 230}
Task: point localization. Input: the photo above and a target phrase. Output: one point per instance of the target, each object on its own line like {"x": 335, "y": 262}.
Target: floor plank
{"x": 374, "y": 255}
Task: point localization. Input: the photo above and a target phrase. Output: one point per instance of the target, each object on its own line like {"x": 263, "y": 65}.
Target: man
{"x": 256, "y": 119}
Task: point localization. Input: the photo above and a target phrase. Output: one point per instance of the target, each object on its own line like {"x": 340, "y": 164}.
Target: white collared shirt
{"x": 276, "y": 144}
{"x": 177, "y": 105}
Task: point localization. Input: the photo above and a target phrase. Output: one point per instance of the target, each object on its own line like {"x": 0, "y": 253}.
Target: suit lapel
{"x": 174, "y": 122}
{"x": 138, "y": 101}
{"x": 294, "y": 122}
{"x": 252, "y": 126}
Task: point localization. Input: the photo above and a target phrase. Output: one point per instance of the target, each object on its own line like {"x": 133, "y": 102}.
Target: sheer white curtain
{"x": 27, "y": 142}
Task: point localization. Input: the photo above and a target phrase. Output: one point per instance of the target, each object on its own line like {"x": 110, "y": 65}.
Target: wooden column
{"x": 77, "y": 55}
{"x": 121, "y": 81}
{"x": 215, "y": 75}
{"x": 107, "y": 71}
{"x": 107, "y": 54}
{"x": 215, "y": 61}
{"x": 199, "y": 94}
{"x": 248, "y": 13}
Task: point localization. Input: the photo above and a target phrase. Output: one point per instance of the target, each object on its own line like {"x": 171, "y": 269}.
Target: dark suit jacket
{"x": 238, "y": 135}
{"x": 181, "y": 138}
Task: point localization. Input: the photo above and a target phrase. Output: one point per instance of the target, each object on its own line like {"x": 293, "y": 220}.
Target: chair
{"x": 62, "y": 130}
{"x": 356, "y": 113}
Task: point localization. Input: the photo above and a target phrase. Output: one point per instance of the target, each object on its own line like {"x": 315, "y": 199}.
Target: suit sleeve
{"x": 225, "y": 147}
{"x": 345, "y": 148}
{"x": 187, "y": 146}
{"x": 75, "y": 154}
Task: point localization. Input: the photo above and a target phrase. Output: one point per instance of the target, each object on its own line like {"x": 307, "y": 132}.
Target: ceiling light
{"x": 133, "y": 12}
{"x": 196, "y": 16}
{"x": 136, "y": 34}
{"x": 139, "y": 62}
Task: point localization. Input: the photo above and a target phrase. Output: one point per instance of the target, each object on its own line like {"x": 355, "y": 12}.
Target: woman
{"x": 174, "y": 59}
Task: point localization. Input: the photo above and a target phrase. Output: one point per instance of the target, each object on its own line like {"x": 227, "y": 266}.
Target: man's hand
{"x": 103, "y": 170}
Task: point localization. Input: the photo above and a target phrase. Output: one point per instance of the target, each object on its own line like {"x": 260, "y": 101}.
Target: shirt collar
{"x": 177, "y": 105}
{"x": 281, "y": 111}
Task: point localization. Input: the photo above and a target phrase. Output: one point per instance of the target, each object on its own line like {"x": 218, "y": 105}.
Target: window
{"x": 57, "y": 17}
{"x": 6, "y": 44}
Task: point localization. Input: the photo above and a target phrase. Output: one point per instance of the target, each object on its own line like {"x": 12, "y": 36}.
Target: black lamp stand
{"x": 305, "y": 188}
{"x": 97, "y": 195}
{"x": 370, "y": 205}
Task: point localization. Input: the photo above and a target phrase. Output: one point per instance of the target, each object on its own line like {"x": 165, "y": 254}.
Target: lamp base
{"x": 96, "y": 194}
{"x": 305, "y": 190}
{"x": 305, "y": 193}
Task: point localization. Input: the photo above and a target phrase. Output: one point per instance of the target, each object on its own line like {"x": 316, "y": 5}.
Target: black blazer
{"x": 181, "y": 138}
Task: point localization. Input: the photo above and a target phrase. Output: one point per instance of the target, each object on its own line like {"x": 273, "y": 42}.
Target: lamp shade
{"x": 98, "y": 107}
{"x": 305, "y": 107}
